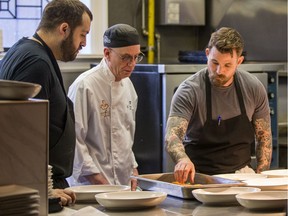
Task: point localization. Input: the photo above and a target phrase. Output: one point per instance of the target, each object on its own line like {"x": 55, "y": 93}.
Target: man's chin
{"x": 72, "y": 58}
{"x": 125, "y": 75}
{"x": 217, "y": 82}
{"x": 128, "y": 74}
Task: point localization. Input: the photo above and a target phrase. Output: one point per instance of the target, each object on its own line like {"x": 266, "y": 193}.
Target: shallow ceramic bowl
{"x": 221, "y": 195}
{"x": 16, "y": 90}
{"x": 263, "y": 200}
{"x": 130, "y": 199}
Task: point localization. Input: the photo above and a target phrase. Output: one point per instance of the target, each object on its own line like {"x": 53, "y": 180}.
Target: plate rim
{"x": 261, "y": 192}
{"x": 234, "y": 174}
{"x": 115, "y": 204}
{"x": 270, "y": 172}
{"x": 224, "y": 194}
{"x": 267, "y": 179}
{"x": 117, "y": 187}
{"x": 101, "y": 195}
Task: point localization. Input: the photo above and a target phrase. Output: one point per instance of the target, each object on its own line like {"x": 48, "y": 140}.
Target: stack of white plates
{"x": 50, "y": 182}
{"x": 19, "y": 200}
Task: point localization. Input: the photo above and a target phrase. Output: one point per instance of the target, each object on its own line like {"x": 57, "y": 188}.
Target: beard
{"x": 67, "y": 48}
{"x": 218, "y": 80}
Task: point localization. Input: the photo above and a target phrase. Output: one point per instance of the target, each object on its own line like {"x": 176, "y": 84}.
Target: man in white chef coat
{"x": 105, "y": 103}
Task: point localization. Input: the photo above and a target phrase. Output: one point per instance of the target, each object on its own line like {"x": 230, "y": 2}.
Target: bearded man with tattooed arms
{"x": 218, "y": 113}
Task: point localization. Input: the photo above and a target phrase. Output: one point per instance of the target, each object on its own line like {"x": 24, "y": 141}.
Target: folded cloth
{"x": 65, "y": 212}
{"x": 245, "y": 169}
{"x": 89, "y": 211}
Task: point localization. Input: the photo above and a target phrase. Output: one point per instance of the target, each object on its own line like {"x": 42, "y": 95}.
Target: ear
{"x": 106, "y": 52}
{"x": 64, "y": 30}
{"x": 240, "y": 60}
{"x": 207, "y": 52}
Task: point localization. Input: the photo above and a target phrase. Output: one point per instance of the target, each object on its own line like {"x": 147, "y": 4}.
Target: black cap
{"x": 120, "y": 35}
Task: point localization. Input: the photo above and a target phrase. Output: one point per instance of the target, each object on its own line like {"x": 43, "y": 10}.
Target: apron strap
{"x": 239, "y": 94}
{"x": 208, "y": 97}
{"x": 53, "y": 60}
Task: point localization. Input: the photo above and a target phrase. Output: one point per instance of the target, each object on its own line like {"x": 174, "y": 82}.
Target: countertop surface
{"x": 172, "y": 206}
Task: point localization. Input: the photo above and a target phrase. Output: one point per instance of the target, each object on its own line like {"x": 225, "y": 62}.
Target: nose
{"x": 218, "y": 70}
{"x": 132, "y": 61}
{"x": 83, "y": 43}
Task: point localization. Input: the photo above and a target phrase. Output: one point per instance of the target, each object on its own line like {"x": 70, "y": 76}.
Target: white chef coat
{"x": 105, "y": 113}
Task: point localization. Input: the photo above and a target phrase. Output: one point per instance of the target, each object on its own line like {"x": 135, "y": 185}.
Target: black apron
{"x": 224, "y": 146}
{"x": 61, "y": 156}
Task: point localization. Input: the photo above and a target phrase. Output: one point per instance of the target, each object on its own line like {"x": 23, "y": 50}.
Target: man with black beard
{"x": 60, "y": 35}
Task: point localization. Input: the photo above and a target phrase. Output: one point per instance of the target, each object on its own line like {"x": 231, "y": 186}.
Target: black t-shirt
{"x": 28, "y": 61}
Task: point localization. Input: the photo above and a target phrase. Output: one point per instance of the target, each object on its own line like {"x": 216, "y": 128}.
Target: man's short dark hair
{"x": 60, "y": 11}
{"x": 226, "y": 40}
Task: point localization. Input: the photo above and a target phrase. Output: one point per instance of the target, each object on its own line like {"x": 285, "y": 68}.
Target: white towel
{"x": 245, "y": 169}
{"x": 89, "y": 211}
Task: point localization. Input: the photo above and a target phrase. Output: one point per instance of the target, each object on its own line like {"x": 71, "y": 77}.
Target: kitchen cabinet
{"x": 24, "y": 146}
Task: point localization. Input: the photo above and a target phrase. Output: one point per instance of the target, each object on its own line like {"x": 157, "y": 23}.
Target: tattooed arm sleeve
{"x": 175, "y": 132}
{"x": 263, "y": 143}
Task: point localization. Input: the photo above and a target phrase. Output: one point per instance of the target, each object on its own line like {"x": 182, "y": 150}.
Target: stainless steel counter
{"x": 176, "y": 206}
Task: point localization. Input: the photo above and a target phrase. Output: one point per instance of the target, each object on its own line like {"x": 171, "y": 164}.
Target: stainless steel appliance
{"x": 262, "y": 23}
{"x": 180, "y": 12}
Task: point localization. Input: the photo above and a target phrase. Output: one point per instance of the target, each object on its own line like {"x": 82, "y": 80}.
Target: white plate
{"x": 276, "y": 173}
{"x": 221, "y": 195}
{"x": 241, "y": 176}
{"x": 263, "y": 200}
{"x": 130, "y": 199}
{"x": 86, "y": 193}
{"x": 268, "y": 183}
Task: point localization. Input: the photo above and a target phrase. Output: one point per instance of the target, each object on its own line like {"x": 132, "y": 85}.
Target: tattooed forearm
{"x": 175, "y": 132}
{"x": 263, "y": 143}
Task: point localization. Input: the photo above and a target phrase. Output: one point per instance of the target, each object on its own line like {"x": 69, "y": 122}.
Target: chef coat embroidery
{"x": 104, "y": 109}
{"x": 130, "y": 106}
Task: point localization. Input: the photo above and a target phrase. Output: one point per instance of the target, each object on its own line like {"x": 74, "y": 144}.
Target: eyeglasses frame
{"x": 129, "y": 58}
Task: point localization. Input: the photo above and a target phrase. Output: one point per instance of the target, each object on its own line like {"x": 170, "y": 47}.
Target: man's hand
{"x": 96, "y": 178}
{"x": 67, "y": 196}
{"x": 183, "y": 170}
{"x": 175, "y": 132}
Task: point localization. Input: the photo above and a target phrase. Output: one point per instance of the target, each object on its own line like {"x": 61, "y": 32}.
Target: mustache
{"x": 221, "y": 76}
